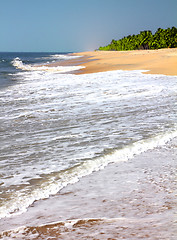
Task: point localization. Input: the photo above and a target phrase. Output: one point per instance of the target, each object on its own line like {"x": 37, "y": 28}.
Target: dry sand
{"x": 128, "y": 200}
{"x": 162, "y": 61}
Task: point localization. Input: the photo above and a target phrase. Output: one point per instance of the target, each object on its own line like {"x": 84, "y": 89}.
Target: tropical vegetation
{"x": 163, "y": 38}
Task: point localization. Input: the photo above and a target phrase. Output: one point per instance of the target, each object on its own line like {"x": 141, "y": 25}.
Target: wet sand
{"x": 127, "y": 200}
{"x": 162, "y": 61}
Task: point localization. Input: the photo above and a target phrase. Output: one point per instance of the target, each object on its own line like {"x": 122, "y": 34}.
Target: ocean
{"x": 57, "y": 127}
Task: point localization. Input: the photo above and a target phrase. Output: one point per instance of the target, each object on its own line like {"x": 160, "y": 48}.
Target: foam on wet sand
{"x": 162, "y": 61}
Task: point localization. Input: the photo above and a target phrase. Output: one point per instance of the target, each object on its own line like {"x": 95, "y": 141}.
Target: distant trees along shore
{"x": 163, "y": 38}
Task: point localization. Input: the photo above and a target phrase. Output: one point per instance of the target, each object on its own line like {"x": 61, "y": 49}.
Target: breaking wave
{"x": 21, "y": 200}
{"x": 17, "y": 63}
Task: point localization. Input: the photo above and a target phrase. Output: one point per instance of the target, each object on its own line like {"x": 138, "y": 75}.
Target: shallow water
{"x": 58, "y": 127}
{"x": 128, "y": 200}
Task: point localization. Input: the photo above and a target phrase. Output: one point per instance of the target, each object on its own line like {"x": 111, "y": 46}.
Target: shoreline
{"x": 128, "y": 199}
{"x": 134, "y": 198}
{"x": 161, "y": 61}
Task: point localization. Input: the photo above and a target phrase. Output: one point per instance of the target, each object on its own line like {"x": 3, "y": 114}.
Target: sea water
{"x": 56, "y": 127}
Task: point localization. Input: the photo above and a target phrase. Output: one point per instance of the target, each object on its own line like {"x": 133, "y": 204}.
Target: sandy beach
{"x": 162, "y": 61}
{"x": 133, "y": 198}
{"x": 88, "y": 120}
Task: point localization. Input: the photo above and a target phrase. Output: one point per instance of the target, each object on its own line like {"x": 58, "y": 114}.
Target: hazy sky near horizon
{"x": 78, "y": 25}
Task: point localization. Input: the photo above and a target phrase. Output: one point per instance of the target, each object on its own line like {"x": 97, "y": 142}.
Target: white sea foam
{"x": 20, "y": 201}
{"x": 63, "y": 57}
{"x": 58, "y": 125}
{"x": 60, "y": 69}
{"x": 60, "y": 57}
{"x": 59, "y": 226}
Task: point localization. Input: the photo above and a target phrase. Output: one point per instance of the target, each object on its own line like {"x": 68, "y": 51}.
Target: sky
{"x": 78, "y": 25}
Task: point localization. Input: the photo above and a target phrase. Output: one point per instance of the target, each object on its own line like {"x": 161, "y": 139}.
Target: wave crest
{"x": 21, "y": 201}
{"x": 17, "y": 63}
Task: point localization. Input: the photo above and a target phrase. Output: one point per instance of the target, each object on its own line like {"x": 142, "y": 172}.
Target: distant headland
{"x": 163, "y": 38}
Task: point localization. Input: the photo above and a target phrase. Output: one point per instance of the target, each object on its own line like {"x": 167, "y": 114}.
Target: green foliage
{"x": 163, "y": 38}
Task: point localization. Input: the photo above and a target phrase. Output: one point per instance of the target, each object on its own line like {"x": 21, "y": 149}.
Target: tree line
{"x": 163, "y": 38}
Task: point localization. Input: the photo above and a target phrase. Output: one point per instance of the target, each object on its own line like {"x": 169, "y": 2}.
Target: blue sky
{"x": 78, "y": 25}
